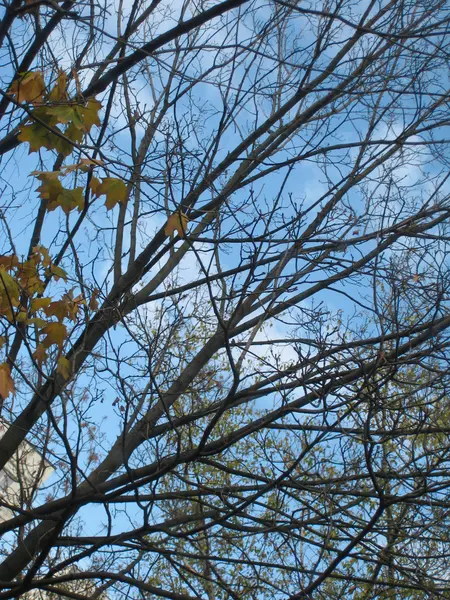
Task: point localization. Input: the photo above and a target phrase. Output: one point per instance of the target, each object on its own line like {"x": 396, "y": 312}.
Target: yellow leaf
{"x": 63, "y": 367}
{"x": 37, "y": 136}
{"x": 41, "y": 255}
{"x": 90, "y": 113}
{"x": 83, "y": 165}
{"x": 37, "y": 321}
{"x": 176, "y": 222}
{"x": 68, "y": 200}
{"x": 94, "y": 185}
{"x": 21, "y": 316}
{"x": 59, "y": 91}
{"x": 29, "y": 87}
{"x": 114, "y": 189}
{"x": 55, "y": 333}
{"x": 40, "y": 355}
{"x": 6, "y": 381}
{"x": 39, "y": 303}
{"x": 51, "y": 187}
{"x": 8, "y": 287}
{"x": 57, "y": 272}
{"x": 2, "y": 341}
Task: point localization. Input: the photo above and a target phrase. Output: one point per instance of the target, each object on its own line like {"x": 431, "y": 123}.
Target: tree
{"x": 224, "y": 298}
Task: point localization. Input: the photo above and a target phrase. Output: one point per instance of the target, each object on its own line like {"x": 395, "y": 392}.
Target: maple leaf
{"x": 51, "y": 187}
{"x": 36, "y": 135}
{"x": 84, "y": 165}
{"x": 63, "y": 367}
{"x": 93, "y": 304}
{"x": 39, "y": 303}
{"x": 90, "y": 113}
{"x": 68, "y": 200}
{"x": 59, "y": 91}
{"x": 6, "y": 381}
{"x": 176, "y": 222}
{"x": 9, "y": 262}
{"x": 36, "y": 321}
{"x": 28, "y": 87}
{"x": 8, "y": 287}
{"x": 56, "y": 272}
{"x": 41, "y": 254}
{"x": 94, "y": 185}
{"x": 40, "y": 355}
{"x": 114, "y": 189}
{"x": 55, "y": 333}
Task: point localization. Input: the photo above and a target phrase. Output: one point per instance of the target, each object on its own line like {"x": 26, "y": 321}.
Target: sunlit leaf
{"x": 28, "y": 87}
{"x": 176, "y": 222}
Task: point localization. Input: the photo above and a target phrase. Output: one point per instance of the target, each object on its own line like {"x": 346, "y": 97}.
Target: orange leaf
{"x": 6, "y": 381}
{"x": 40, "y": 355}
{"x": 93, "y": 304}
{"x": 176, "y": 222}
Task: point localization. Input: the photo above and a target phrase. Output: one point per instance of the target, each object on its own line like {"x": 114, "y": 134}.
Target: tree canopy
{"x": 224, "y": 299}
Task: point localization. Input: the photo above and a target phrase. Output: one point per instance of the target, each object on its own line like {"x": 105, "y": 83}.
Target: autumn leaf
{"x": 90, "y": 114}
{"x": 39, "y": 303}
{"x": 36, "y": 321}
{"x": 93, "y": 304}
{"x": 55, "y": 333}
{"x": 59, "y": 91}
{"x": 68, "y": 200}
{"x": 94, "y": 185}
{"x": 8, "y": 287}
{"x": 114, "y": 189}
{"x": 40, "y": 355}
{"x": 28, "y": 87}
{"x": 176, "y": 222}
{"x": 63, "y": 367}
{"x": 41, "y": 254}
{"x": 36, "y": 135}
{"x": 9, "y": 262}
{"x": 56, "y": 272}
{"x": 6, "y": 381}
{"x": 51, "y": 187}
{"x": 2, "y": 341}
{"x": 21, "y": 316}
{"x": 84, "y": 165}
